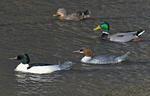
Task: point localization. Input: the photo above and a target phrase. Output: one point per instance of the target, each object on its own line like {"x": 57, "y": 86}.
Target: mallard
{"x": 61, "y": 12}
{"x": 118, "y": 37}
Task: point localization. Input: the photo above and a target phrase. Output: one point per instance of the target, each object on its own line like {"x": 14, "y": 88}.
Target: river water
{"x": 27, "y": 26}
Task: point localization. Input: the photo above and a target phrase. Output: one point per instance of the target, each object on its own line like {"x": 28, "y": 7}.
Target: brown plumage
{"x": 62, "y": 13}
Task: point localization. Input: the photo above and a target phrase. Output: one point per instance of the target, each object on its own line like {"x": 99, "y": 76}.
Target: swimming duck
{"x": 118, "y": 37}
{"x": 24, "y": 66}
{"x": 89, "y": 58}
{"x": 61, "y": 12}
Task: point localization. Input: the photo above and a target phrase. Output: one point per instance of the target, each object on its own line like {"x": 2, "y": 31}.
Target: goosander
{"x": 118, "y": 37}
{"x": 61, "y": 12}
{"x": 89, "y": 58}
{"x": 24, "y": 66}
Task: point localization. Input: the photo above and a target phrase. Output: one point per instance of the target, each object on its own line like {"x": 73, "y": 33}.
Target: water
{"x": 27, "y": 26}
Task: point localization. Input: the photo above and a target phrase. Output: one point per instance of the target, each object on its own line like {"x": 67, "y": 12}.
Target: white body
{"x": 37, "y": 69}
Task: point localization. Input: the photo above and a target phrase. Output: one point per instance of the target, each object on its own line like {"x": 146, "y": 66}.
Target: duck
{"x": 90, "y": 59}
{"x": 62, "y": 13}
{"x": 118, "y": 37}
{"x": 38, "y": 68}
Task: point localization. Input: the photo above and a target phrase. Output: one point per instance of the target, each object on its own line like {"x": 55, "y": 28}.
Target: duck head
{"x": 24, "y": 58}
{"x": 87, "y": 52}
{"x": 60, "y": 12}
{"x": 103, "y": 26}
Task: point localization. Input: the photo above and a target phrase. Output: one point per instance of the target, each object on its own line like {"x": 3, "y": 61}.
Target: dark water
{"x": 27, "y": 26}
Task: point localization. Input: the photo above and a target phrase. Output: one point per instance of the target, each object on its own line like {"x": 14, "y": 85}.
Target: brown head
{"x": 87, "y": 52}
{"x": 60, "y": 12}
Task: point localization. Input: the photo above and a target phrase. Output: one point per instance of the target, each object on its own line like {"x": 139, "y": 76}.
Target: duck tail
{"x": 122, "y": 58}
{"x": 84, "y": 14}
{"x": 140, "y": 32}
{"x": 65, "y": 65}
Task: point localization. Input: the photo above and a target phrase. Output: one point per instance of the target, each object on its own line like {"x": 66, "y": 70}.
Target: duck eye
{"x": 18, "y": 58}
{"x": 81, "y": 49}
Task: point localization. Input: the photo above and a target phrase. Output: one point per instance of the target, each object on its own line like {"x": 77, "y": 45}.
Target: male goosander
{"x": 89, "y": 58}
{"x": 118, "y": 37}
{"x": 24, "y": 66}
{"x": 61, "y": 12}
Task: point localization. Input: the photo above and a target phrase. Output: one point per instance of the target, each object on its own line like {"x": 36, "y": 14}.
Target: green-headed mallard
{"x": 118, "y": 37}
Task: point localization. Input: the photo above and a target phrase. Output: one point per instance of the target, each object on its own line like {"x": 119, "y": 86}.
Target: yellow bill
{"x": 96, "y": 28}
{"x": 56, "y": 14}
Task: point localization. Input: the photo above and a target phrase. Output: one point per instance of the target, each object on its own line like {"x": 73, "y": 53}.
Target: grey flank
{"x": 108, "y": 59}
{"x": 65, "y": 65}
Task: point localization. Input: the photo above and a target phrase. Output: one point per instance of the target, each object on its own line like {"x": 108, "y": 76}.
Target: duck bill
{"x": 14, "y": 58}
{"x": 56, "y": 14}
{"x": 77, "y": 51}
{"x": 96, "y": 28}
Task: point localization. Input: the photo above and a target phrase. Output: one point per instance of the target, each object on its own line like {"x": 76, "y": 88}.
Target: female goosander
{"x": 61, "y": 12}
{"x": 118, "y": 37}
{"x": 89, "y": 58}
{"x": 24, "y": 66}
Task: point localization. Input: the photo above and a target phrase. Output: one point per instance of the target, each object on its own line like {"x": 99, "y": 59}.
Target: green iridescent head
{"x": 24, "y": 58}
{"x": 104, "y": 26}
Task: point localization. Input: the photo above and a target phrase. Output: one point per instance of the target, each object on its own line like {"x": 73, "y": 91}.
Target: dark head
{"x": 24, "y": 58}
{"x": 104, "y": 26}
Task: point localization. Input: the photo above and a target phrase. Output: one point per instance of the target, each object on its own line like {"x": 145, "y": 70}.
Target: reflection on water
{"x": 35, "y": 84}
{"x": 120, "y": 80}
{"x": 27, "y": 26}
{"x": 23, "y": 77}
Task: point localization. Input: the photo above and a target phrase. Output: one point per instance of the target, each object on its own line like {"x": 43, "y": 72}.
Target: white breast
{"x": 85, "y": 59}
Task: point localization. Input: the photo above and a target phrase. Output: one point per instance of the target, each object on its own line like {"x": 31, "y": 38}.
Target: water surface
{"x": 27, "y": 26}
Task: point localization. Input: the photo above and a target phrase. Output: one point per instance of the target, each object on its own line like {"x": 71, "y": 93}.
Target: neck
{"x": 105, "y": 32}
{"x": 23, "y": 63}
{"x": 104, "y": 36}
{"x": 85, "y": 59}
{"x": 63, "y": 14}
